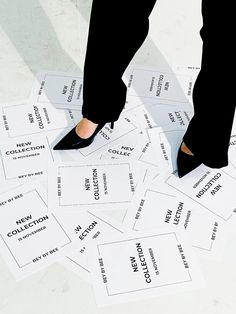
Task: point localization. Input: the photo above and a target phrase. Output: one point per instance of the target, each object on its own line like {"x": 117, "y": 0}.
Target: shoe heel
{"x": 112, "y": 125}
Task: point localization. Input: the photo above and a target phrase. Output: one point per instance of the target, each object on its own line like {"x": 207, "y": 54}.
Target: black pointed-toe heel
{"x": 186, "y": 163}
{"x": 73, "y": 141}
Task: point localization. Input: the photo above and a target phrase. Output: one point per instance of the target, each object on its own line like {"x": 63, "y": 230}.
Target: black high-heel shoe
{"x": 72, "y": 141}
{"x": 186, "y": 163}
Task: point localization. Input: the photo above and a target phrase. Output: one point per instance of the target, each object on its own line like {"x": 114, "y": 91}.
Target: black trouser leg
{"x": 208, "y": 134}
{"x": 117, "y": 30}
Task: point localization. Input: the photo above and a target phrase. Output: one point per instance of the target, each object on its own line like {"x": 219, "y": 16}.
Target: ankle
{"x": 186, "y": 150}
{"x": 85, "y": 128}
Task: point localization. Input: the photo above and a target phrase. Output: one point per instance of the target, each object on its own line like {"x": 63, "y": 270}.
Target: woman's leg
{"x": 117, "y": 30}
{"x": 208, "y": 134}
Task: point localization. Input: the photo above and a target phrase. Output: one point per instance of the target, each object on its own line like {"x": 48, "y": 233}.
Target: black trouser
{"x": 117, "y": 30}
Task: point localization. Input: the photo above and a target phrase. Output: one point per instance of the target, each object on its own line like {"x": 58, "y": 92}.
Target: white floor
{"x": 51, "y": 35}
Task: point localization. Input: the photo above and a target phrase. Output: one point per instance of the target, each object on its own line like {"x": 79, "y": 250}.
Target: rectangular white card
{"x": 25, "y": 118}
{"x": 153, "y": 84}
{"x": 142, "y": 265}
{"x": 98, "y": 184}
{"x": 127, "y": 147}
{"x": 61, "y": 89}
{"x": 24, "y": 157}
{"x": 85, "y": 227}
{"x": 30, "y": 237}
{"x": 153, "y": 207}
{"x": 154, "y": 115}
{"x": 211, "y": 188}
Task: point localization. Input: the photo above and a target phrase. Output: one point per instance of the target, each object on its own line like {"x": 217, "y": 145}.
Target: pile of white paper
{"x": 115, "y": 212}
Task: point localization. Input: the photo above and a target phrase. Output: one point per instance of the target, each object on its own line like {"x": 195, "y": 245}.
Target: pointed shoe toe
{"x": 186, "y": 163}
{"x": 72, "y": 141}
